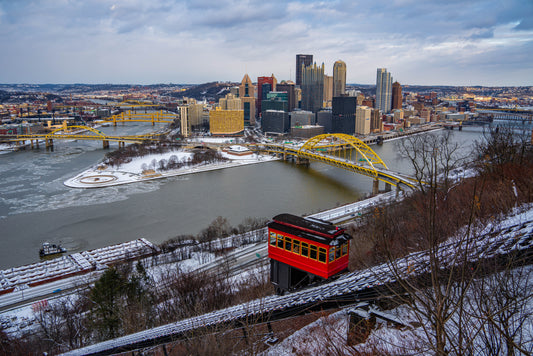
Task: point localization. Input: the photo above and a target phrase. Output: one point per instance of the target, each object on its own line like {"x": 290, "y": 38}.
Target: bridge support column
{"x": 302, "y": 161}
{"x": 105, "y": 144}
{"x": 49, "y": 144}
{"x": 387, "y": 187}
{"x": 375, "y": 187}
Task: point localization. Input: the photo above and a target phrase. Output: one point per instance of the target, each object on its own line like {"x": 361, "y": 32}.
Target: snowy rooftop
{"x": 76, "y": 263}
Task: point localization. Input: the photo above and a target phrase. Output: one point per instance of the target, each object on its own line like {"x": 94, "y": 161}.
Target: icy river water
{"x": 35, "y": 206}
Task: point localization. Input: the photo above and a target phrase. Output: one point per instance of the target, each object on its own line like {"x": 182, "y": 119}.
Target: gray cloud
{"x": 201, "y": 40}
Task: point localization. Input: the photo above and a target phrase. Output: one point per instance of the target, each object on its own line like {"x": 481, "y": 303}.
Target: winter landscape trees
{"x": 459, "y": 305}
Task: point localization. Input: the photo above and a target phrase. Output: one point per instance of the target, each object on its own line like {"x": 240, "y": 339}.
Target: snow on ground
{"x": 328, "y": 335}
{"x": 133, "y": 171}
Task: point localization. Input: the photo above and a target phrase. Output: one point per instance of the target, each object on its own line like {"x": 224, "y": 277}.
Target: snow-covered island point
{"x": 163, "y": 165}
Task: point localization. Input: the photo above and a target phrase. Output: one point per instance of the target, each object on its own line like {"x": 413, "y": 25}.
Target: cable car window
{"x": 296, "y": 246}
{"x": 345, "y": 249}
{"x": 305, "y": 249}
{"x": 312, "y": 252}
{"x": 288, "y": 243}
{"x": 322, "y": 254}
{"x": 273, "y": 238}
{"x": 337, "y": 252}
{"x": 280, "y": 241}
{"x": 331, "y": 253}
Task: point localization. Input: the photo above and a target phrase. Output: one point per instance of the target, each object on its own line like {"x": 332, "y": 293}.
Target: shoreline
{"x": 95, "y": 178}
{"x": 108, "y": 177}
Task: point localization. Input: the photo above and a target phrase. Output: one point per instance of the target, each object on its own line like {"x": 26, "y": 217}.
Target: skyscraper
{"x": 383, "y": 90}
{"x": 289, "y": 87}
{"x": 339, "y": 78}
{"x": 397, "y": 99}
{"x": 247, "y": 96}
{"x": 302, "y": 61}
{"x": 312, "y": 87}
{"x": 343, "y": 118}
{"x": 264, "y": 86}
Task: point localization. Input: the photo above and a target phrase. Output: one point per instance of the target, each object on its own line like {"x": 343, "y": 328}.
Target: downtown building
{"x": 383, "y": 90}
{"x": 339, "y": 78}
{"x": 247, "y": 96}
{"x": 226, "y": 122}
{"x": 302, "y": 61}
{"x": 397, "y": 98}
{"x": 275, "y": 121}
{"x": 264, "y": 86}
{"x": 313, "y": 88}
{"x": 343, "y": 114}
{"x": 292, "y": 98}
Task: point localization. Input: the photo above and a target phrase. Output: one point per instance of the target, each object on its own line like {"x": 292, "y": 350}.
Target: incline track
{"x": 350, "y": 288}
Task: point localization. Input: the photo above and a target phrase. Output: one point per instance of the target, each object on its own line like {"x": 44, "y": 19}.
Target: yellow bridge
{"x": 153, "y": 117}
{"x": 342, "y": 151}
{"x": 77, "y": 133}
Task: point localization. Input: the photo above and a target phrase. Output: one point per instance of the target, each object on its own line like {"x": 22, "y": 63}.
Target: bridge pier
{"x": 375, "y": 187}
{"x": 302, "y": 161}
{"x": 49, "y": 143}
{"x": 105, "y": 144}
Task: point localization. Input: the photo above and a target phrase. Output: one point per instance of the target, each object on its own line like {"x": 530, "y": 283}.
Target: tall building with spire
{"x": 312, "y": 87}
{"x": 247, "y": 96}
{"x": 383, "y": 90}
{"x": 302, "y": 61}
{"x": 397, "y": 99}
{"x": 339, "y": 78}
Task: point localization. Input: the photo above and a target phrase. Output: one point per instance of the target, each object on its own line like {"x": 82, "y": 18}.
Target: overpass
{"x": 77, "y": 133}
{"x": 342, "y": 151}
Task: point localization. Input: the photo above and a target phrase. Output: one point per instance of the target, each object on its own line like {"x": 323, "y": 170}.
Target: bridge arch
{"x": 334, "y": 141}
{"x": 52, "y": 134}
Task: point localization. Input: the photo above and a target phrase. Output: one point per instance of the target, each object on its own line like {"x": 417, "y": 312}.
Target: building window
{"x": 337, "y": 252}
{"x": 296, "y": 246}
{"x": 280, "y": 241}
{"x": 305, "y": 249}
{"x": 312, "y": 252}
{"x": 247, "y": 111}
{"x": 288, "y": 243}
{"x": 322, "y": 255}
{"x": 273, "y": 238}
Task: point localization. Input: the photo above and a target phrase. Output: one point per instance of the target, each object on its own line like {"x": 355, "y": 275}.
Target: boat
{"x": 48, "y": 249}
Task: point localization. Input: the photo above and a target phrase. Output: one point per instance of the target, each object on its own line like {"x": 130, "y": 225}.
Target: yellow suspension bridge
{"x": 342, "y": 151}
{"x": 77, "y": 133}
{"x": 153, "y": 117}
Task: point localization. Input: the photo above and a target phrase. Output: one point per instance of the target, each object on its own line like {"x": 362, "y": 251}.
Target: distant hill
{"x": 208, "y": 91}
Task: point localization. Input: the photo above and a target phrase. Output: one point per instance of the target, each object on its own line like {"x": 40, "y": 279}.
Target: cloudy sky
{"x": 452, "y": 42}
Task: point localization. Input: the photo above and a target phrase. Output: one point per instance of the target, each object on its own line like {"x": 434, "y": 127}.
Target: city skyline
{"x": 164, "y": 41}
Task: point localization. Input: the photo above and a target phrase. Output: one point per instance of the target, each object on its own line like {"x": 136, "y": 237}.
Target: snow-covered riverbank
{"x": 136, "y": 170}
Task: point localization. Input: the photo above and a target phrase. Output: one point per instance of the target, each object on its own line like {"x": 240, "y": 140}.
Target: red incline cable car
{"x": 303, "y": 250}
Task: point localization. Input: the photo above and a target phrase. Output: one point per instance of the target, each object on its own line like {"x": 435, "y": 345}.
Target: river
{"x": 35, "y": 206}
